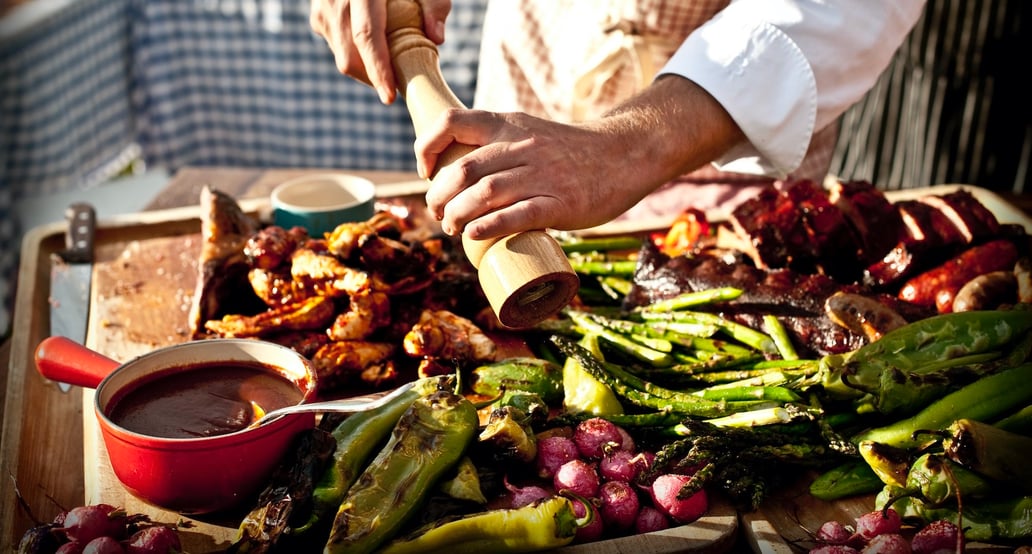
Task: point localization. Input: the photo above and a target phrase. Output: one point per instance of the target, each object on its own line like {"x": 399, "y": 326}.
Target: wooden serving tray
{"x": 52, "y": 457}
{"x": 143, "y": 282}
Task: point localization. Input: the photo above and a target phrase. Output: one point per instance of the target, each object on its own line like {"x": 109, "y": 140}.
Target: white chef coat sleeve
{"x": 784, "y": 69}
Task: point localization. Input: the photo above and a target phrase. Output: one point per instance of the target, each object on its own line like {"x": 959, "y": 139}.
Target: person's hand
{"x": 528, "y": 173}
{"x": 355, "y": 31}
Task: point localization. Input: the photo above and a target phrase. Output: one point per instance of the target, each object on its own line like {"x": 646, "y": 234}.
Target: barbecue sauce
{"x": 201, "y": 401}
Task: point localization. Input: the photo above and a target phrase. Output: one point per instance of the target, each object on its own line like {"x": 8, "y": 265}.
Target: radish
{"x": 834, "y": 549}
{"x": 158, "y": 539}
{"x": 650, "y": 519}
{"x": 594, "y": 529}
{"x": 937, "y": 536}
{"x": 834, "y": 532}
{"x": 618, "y": 465}
{"x": 878, "y": 522}
{"x": 85, "y": 523}
{"x": 554, "y": 451}
{"x": 664, "y": 492}
{"x": 71, "y": 547}
{"x": 595, "y": 436}
{"x": 619, "y": 505}
{"x": 522, "y": 496}
{"x": 103, "y": 545}
{"x": 887, "y": 543}
{"x": 579, "y": 477}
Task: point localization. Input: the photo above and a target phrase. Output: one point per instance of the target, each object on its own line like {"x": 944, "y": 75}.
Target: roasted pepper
{"x": 985, "y": 399}
{"x": 509, "y": 432}
{"x": 583, "y": 394}
{"x": 937, "y": 480}
{"x": 358, "y": 438}
{"x": 908, "y": 367}
{"x": 993, "y": 452}
{"x": 465, "y": 485}
{"x": 521, "y": 373}
{"x": 546, "y": 524}
{"x": 987, "y": 520}
{"x": 428, "y": 441}
{"x": 891, "y": 464}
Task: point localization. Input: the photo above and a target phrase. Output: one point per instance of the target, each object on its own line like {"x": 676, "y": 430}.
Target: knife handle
{"x": 526, "y": 276}
{"x": 82, "y": 223}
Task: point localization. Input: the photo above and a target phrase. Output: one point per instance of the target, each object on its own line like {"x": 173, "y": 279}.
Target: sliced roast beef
{"x": 771, "y": 227}
{"x": 972, "y": 219}
{"x": 928, "y": 225}
{"x": 832, "y": 242}
{"x": 876, "y": 221}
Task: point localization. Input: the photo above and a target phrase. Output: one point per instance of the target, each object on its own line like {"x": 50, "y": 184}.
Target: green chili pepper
{"x": 429, "y": 439}
{"x": 358, "y": 438}
{"x": 547, "y": 524}
{"x": 912, "y": 365}
{"x": 509, "y": 432}
{"x": 938, "y": 480}
{"x": 990, "y": 451}
{"x": 851, "y": 478}
{"x": 1017, "y": 422}
{"x": 890, "y": 463}
{"x": 583, "y": 393}
{"x": 466, "y": 483}
{"x": 523, "y": 373}
{"x": 986, "y": 520}
{"x": 985, "y": 399}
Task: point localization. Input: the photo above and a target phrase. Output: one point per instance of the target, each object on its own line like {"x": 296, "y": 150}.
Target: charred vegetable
{"x": 909, "y": 367}
{"x": 358, "y": 439}
{"x": 546, "y": 524}
{"x": 1009, "y": 390}
{"x": 523, "y": 373}
{"x": 431, "y": 437}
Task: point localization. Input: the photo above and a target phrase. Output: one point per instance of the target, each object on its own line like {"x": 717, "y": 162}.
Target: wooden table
{"x": 41, "y": 449}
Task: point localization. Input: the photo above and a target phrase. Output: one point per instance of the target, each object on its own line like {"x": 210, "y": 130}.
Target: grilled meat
{"x": 445, "y": 335}
{"x": 271, "y": 247}
{"x": 221, "y": 286}
{"x": 340, "y": 363}
{"x": 854, "y": 234}
{"x": 367, "y": 312}
{"x": 312, "y": 313}
{"x": 797, "y": 299}
{"x": 938, "y": 286}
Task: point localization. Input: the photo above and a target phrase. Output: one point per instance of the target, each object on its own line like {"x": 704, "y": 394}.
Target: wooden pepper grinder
{"x": 526, "y": 276}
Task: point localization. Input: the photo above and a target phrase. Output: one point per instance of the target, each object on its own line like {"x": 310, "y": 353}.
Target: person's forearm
{"x": 667, "y": 130}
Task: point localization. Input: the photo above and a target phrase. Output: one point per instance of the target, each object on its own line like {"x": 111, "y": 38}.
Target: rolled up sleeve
{"x": 785, "y": 69}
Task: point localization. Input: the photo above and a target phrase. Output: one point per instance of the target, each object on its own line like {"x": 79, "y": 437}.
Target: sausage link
{"x": 938, "y": 286}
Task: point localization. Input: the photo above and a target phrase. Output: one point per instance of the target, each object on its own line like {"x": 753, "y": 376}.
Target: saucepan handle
{"x": 64, "y": 360}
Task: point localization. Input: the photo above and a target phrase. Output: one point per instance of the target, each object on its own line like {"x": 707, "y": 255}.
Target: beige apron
{"x": 571, "y": 60}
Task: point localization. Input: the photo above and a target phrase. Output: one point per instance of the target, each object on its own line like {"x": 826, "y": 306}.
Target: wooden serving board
{"x": 143, "y": 284}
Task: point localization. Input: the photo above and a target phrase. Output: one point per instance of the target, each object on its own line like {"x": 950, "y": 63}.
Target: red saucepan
{"x": 190, "y": 456}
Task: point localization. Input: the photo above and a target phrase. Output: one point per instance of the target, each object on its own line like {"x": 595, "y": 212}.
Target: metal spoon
{"x": 344, "y": 405}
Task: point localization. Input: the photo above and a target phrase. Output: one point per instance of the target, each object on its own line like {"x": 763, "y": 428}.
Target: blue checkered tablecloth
{"x": 189, "y": 82}
{"x": 236, "y": 82}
